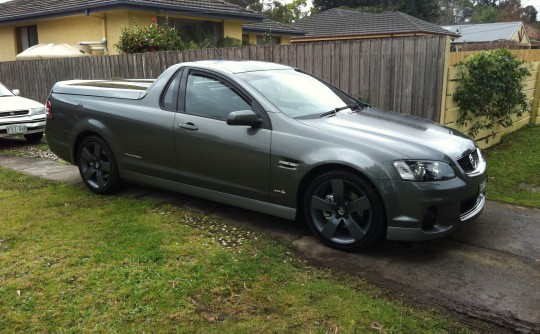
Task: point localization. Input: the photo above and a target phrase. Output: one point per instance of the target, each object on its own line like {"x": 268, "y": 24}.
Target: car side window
{"x": 169, "y": 99}
{"x": 212, "y": 98}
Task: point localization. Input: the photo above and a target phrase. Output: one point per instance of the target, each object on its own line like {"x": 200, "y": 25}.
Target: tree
{"x": 255, "y": 5}
{"x": 322, "y": 5}
{"x": 485, "y": 14}
{"x": 286, "y": 13}
{"x": 454, "y": 11}
{"x": 529, "y": 14}
{"x": 427, "y": 10}
{"x": 510, "y": 10}
{"x": 491, "y": 90}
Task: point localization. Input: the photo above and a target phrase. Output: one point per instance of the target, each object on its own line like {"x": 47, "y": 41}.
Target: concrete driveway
{"x": 488, "y": 273}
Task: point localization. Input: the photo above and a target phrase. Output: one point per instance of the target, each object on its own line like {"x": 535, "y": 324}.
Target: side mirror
{"x": 244, "y": 117}
{"x": 16, "y": 92}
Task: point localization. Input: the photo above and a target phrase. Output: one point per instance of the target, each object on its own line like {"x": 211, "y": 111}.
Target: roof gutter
{"x": 274, "y": 31}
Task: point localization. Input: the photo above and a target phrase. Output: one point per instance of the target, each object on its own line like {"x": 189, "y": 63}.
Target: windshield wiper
{"x": 334, "y": 111}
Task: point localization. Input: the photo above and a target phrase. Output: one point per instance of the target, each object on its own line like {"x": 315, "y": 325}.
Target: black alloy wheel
{"x": 344, "y": 210}
{"x": 97, "y": 165}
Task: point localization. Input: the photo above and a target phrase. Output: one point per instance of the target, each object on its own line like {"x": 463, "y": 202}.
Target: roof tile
{"x": 20, "y": 10}
{"x": 339, "y": 22}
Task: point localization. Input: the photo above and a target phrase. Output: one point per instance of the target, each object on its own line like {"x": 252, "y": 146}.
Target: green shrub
{"x": 149, "y": 38}
{"x": 229, "y": 42}
{"x": 491, "y": 85}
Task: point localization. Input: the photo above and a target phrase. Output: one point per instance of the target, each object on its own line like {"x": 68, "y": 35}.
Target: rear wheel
{"x": 33, "y": 138}
{"x": 97, "y": 165}
{"x": 344, "y": 210}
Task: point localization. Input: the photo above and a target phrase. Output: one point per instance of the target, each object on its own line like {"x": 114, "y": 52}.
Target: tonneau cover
{"x": 122, "y": 89}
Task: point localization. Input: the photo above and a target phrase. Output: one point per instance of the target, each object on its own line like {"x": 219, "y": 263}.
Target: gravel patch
{"x": 20, "y": 148}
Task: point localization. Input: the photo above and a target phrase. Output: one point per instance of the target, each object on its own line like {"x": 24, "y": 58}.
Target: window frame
{"x": 176, "y": 93}
{"x": 255, "y": 106}
{"x": 31, "y": 34}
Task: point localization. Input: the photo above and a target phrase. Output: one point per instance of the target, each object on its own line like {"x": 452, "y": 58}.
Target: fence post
{"x": 446, "y": 68}
{"x": 535, "y": 117}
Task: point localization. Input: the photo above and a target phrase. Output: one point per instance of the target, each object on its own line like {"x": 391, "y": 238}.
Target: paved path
{"x": 489, "y": 270}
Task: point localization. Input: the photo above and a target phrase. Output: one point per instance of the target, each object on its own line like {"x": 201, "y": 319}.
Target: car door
{"x": 212, "y": 154}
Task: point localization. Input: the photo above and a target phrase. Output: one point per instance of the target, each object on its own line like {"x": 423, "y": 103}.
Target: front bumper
{"x": 429, "y": 210}
{"x": 32, "y": 126}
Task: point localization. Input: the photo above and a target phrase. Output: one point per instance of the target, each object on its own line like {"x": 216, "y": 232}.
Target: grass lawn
{"x": 75, "y": 262}
{"x": 514, "y": 168}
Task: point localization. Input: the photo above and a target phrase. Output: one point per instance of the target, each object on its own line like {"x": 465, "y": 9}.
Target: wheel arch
{"x": 80, "y": 137}
{"x": 312, "y": 174}
{"x": 92, "y": 127}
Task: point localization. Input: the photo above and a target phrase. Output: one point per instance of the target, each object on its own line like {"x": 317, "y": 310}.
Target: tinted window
{"x": 209, "y": 97}
{"x": 169, "y": 100}
{"x": 294, "y": 93}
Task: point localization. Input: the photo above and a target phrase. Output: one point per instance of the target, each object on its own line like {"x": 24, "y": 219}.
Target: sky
{"x": 535, "y": 3}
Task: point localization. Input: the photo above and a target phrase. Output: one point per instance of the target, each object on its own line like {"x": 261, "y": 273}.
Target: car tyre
{"x": 33, "y": 138}
{"x": 344, "y": 210}
{"x": 97, "y": 165}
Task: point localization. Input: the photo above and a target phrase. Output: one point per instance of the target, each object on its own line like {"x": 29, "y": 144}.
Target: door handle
{"x": 189, "y": 126}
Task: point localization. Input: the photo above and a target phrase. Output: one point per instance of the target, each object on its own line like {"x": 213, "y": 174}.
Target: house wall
{"x": 114, "y": 21}
{"x": 9, "y": 46}
{"x": 252, "y": 37}
{"x": 94, "y": 27}
{"x": 521, "y": 36}
{"x": 71, "y": 30}
{"x": 232, "y": 29}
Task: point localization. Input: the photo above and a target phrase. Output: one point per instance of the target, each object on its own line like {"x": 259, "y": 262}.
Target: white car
{"x": 20, "y": 116}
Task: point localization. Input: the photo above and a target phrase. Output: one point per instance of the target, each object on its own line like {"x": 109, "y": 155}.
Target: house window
{"x": 200, "y": 32}
{"x": 268, "y": 40}
{"x": 26, "y": 37}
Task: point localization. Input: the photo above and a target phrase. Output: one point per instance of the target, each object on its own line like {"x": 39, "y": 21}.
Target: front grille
{"x": 466, "y": 162}
{"x": 14, "y": 113}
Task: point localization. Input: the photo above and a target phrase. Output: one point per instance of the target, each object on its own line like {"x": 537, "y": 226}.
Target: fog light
{"x": 430, "y": 218}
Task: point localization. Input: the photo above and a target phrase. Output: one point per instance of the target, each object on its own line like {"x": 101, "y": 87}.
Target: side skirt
{"x": 212, "y": 195}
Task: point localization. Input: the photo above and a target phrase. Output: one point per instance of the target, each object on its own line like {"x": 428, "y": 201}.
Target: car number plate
{"x": 15, "y": 129}
{"x": 482, "y": 186}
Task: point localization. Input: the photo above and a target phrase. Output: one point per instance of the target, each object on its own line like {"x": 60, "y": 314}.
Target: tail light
{"x": 48, "y": 109}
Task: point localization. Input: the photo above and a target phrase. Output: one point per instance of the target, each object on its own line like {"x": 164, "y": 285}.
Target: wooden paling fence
{"x": 401, "y": 74}
{"x": 531, "y": 55}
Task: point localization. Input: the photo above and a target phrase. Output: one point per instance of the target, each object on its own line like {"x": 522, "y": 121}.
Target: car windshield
{"x": 294, "y": 93}
{"x": 4, "y": 91}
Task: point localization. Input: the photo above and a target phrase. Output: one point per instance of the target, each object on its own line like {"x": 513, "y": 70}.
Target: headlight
{"x": 37, "y": 111}
{"x": 424, "y": 170}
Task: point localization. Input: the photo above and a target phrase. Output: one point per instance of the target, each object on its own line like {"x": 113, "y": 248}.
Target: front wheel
{"x": 344, "y": 210}
{"x": 97, "y": 166}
